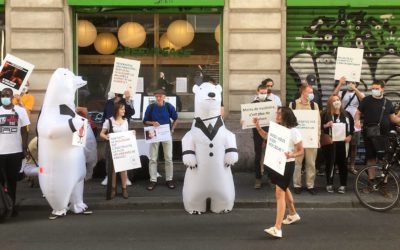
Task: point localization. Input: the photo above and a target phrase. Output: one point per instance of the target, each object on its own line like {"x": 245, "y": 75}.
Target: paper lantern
{"x": 106, "y": 43}
{"x": 165, "y": 43}
{"x": 180, "y": 33}
{"x": 131, "y": 35}
{"x": 217, "y": 33}
{"x": 86, "y": 33}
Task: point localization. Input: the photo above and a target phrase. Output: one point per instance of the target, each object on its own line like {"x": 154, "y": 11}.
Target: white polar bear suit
{"x": 61, "y": 165}
{"x": 209, "y": 149}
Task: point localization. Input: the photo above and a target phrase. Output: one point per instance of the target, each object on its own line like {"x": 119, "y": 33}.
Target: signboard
{"x": 79, "y": 136}
{"x": 265, "y": 111}
{"x": 137, "y": 104}
{"x": 14, "y": 73}
{"x": 349, "y": 63}
{"x": 277, "y": 146}
{"x": 181, "y": 85}
{"x": 157, "y": 134}
{"x": 124, "y": 151}
{"x": 338, "y": 131}
{"x": 308, "y": 127}
{"x": 125, "y": 75}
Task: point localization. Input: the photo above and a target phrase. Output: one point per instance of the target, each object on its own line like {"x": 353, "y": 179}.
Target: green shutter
{"x": 352, "y": 3}
{"x": 1, "y": 2}
{"x": 148, "y": 3}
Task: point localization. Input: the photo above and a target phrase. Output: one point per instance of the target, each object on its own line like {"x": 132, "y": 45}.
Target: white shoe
{"x": 104, "y": 182}
{"x": 273, "y": 231}
{"x": 290, "y": 219}
{"x": 128, "y": 182}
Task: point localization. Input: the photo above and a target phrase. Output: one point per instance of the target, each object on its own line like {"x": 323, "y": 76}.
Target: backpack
{"x": 351, "y": 98}
{"x": 294, "y": 105}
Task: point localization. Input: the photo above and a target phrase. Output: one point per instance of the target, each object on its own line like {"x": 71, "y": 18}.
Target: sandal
{"x": 152, "y": 185}
{"x": 353, "y": 171}
{"x": 171, "y": 184}
{"x": 125, "y": 193}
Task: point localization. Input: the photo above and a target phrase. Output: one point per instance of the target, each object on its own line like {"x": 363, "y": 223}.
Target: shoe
{"x": 14, "y": 212}
{"x": 86, "y": 212}
{"x": 104, "y": 182}
{"x": 385, "y": 193}
{"x": 353, "y": 171}
{"x": 113, "y": 192}
{"x": 152, "y": 185}
{"x": 297, "y": 190}
{"x": 341, "y": 190}
{"x": 312, "y": 191}
{"x": 273, "y": 231}
{"x": 370, "y": 188}
{"x": 320, "y": 173}
{"x": 125, "y": 193}
{"x": 170, "y": 184}
{"x": 257, "y": 184}
{"x": 128, "y": 182}
{"x": 55, "y": 216}
{"x": 329, "y": 189}
{"x": 290, "y": 219}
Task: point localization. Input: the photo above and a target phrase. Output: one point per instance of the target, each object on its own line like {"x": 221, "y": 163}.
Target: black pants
{"x": 337, "y": 150}
{"x": 258, "y": 148}
{"x": 11, "y": 165}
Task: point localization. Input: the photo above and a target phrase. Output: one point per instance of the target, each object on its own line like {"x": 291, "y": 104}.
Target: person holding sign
{"x": 117, "y": 123}
{"x": 286, "y": 118}
{"x": 335, "y": 152}
{"x": 269, "y": 84}
{"x": 119, "y": 98}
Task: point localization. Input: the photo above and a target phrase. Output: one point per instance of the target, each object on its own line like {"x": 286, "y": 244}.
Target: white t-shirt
{"x": 275, "y": 99}
{"x": 116, "y": 127}
{"x": 11, "y": 121}
{"x": 352, "y": 107}
{"x": 295, "y": 137}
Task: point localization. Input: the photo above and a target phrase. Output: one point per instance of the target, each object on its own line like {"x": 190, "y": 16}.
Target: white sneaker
{"x": 290, "y": 219}
{"x": 329, "y": 189}
{"x": 104, "y": 182}
{"x": 128, "y": 182}
{"x": 342, "y": 190}
{"x": 273, "y": 231}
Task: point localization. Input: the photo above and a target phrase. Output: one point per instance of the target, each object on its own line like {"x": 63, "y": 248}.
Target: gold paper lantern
{"x": 131, "y": 35}
{"x": 180, "y": 33}
{"x": 217, "y": 34}
{"x": 87, "y": 33}
{"x": 165, "y": 43}
{"x": 106, "y": 43}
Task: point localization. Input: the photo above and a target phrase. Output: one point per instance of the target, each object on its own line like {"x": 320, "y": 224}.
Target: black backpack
{"x": 294, "y": 105}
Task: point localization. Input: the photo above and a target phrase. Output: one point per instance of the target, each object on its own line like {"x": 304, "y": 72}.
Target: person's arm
{"x": 260, "y": 131}
{"x": 299, "y": 151}
{"x": 359, "y": 94}
{"x": 104, "y": 134}
{"x": 24, "y": 136}
{"x": 174, "y": 124}
{"x": 357, "y": 117}
{"x": 339, "y": 86}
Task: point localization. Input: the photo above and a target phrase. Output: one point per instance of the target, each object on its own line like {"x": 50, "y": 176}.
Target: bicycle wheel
{"x": 381, "y": 194}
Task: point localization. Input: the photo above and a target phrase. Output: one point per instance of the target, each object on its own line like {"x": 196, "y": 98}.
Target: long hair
{"x": 289, "y": 120}
{"x": 116, "y": 108}
{"x": 329, "y": 108}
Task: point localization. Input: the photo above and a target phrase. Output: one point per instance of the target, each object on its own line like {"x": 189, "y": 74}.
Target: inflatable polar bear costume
{"x": 209, "y": 149}
{"x": 61, "y": 165}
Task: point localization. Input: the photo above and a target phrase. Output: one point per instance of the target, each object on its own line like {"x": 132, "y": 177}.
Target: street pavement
{"x": 139, "y": 198}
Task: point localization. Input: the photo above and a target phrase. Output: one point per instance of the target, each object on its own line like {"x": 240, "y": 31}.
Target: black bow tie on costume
{"x": 209, "y": 131}
{"x": 65, "y": 110}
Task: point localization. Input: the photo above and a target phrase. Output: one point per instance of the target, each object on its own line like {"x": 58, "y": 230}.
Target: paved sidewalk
{"x": 161, "y": 197}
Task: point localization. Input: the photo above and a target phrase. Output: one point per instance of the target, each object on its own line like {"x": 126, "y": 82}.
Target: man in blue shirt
{"x": 160, "y": 113}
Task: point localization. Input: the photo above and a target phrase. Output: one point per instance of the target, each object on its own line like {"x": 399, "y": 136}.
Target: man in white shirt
{"x": 269, "y": 83}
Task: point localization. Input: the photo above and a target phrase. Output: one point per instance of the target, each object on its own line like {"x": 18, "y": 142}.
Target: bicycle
{"x": 381, "y": 192}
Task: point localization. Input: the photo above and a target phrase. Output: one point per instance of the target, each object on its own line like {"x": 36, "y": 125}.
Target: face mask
{"x": 310, "y": 97}
{"x": 349, "y": 87}
{"x": 6, "y": 101}
{"x": 336, "y": 104}
{"x": 376, "y": 93}
{"x": 262, "y": 96}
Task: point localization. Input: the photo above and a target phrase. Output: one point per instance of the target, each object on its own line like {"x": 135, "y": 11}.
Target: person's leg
{"x": 257, "y": 158}
{"x": 13, "y": 166}
{"x": 297, "y": 171}
{"x": 124, "y": 178}
{"x": 169, "y": 167}
{"x": 153, "y": 161}
{"x": 280, "y": 196}
{"x": 327, "y": 149}
{"x": 290, "y": 202}
{"x": 342, "y": 163}
{"x": 311, "y": 156}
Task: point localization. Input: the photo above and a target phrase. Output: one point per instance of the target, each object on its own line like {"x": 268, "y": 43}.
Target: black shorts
{"x": 283, "y": 181}
{"x": 372, "y": 146}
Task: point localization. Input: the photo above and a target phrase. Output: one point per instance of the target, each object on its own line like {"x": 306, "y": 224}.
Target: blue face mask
{"x": 376, "y": 93}
{"x": 310, "y": 97}
{"x": 6, "y": 101}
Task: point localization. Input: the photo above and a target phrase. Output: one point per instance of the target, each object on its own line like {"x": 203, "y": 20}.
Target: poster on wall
{"x": 308, "y": 127}
{"x": 147, "y": 100}
{"x": 140, "y": 85}
{"x": 14, "y": 73}
{"x": 264, "y": 111}
{"x": 181, "y": 85}
{"x": 277, "y": 145}
{"x": 349, "y": 63}
{"x": 125, "y": 76}
{"x": 124, "y": 151}
{"x": 137, "y": 104}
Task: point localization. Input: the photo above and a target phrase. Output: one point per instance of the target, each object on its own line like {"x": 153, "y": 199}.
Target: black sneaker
{"x": 312, "y": 191}
{"x": 297, "y": 190}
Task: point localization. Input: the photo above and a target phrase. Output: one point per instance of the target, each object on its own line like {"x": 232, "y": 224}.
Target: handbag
{"x": 6, "y": 204}
{"x": 325, "y": 139}
{"x": 373, "y": 130}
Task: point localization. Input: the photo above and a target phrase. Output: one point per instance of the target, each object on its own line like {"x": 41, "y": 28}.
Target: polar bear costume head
{"x": 61, "y": 89}
{"x": 207, "y": 100}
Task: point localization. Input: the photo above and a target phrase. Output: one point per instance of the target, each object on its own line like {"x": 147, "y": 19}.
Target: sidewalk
{"x": 161, "y": 197}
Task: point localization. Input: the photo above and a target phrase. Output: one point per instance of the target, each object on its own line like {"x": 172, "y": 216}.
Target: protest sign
{"x": 14, "y": 73}
{"x": 349, "y": 63}
{"x": 79, "y": 136}
{"x": 308, "y": 127}
{"x": 338, "y": 131}
{"x": 264, "y": 111}
{"x": 137, "y": 104}
{"x": 157, "y": 134}
{"x": 125, "y": 76}
{"x": 147, "y": 100}
{"x": 124, "y": 151}
{"x": 277, "y": 146}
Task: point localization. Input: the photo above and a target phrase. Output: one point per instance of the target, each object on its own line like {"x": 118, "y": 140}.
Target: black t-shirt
{"x": 371, "y": 108}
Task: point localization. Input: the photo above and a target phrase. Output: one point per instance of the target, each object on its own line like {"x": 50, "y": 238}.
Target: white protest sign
{"x": 79, "y": 136}
{"x": 137, "y": 103}
{"x": 277, "y": 146}
{"x": 338, "y": 131}
{"x": 349, "y": 63}
{"x": 157, "y": 134}
{"x": 265, "y": 111}
{"x": 181, "y": 85}
{"x": 124, "y": 151}
{"x": 14, "y": 73}
{"x": 125, "y": 75}
{"x": 308, "y": 127}
{"x": 147, "y": 100}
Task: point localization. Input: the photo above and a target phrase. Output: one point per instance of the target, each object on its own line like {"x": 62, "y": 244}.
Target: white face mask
{"x": 376, "y": 93}
{"x": 262, "y": 96}
{"x": 337, "y": 104}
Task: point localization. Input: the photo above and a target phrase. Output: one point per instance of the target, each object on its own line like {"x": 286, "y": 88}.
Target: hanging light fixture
{"x": 131, "y": 35}
{"x": 106, "y": 43}
{"x": 217, "y": 33}
{"x": 180, "y": 33}
{"x": 166, "y": 43}
{"x": 87, "y": 33}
